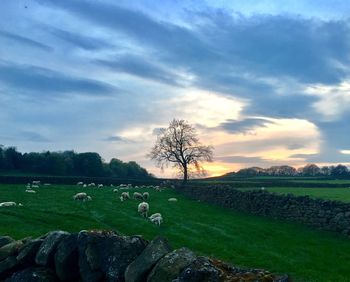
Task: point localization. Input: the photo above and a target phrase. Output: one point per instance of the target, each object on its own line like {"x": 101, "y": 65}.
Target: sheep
{"x": 145, "y": 195}
{"x": 99, "y": 185}
{"x": 125, "y": 196}
{"x": 88, "y": 198}
{"x": 137, "y": 196}
{"x": 80, "y": 196}
{"x": 80, "y": 183}
{"x": 143, "y": 209}
{"x": 30, "y": 191}
{"x": 36, "y": 182}
{"x": 172, "y": 200}
{"x": 115, "y": 190}
{"x": 84, "y": 185}
{"x": 47, "y": 184}
{"x": 20, "y": 205}
{"x": 91, "y": 184}
{"x": 156, "y": 218}
{"x": 35, "y": 186}
{"x": 8, "y": 204}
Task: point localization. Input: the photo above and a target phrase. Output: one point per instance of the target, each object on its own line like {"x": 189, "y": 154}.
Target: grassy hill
{"x": 246, "y": 240}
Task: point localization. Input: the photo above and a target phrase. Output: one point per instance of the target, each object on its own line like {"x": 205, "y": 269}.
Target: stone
{"x": 7, "y": 266}
{"x": 4, "y": 240}
{"x": 200, "y": 270}
{"x": 33, "y": 274}
{"x": 66, "y": 259}
{"x": 105, "y": 255}
{"x": 45, "y": 255}
{"x": 27, "y": 253}
{"x": 171, "y": 265}
{"x": 10, "y": 249}
{"x": 137, "y": 271}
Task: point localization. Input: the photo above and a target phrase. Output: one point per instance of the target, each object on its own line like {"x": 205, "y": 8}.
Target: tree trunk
{"x": 185, "y": 175}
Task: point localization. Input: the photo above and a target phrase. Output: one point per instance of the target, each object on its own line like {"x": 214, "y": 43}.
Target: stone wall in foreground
{"x": 94, "y": 256}
{"x": 319, "y": 213}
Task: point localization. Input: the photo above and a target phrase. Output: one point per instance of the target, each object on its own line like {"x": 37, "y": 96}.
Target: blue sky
{"x": 264, "y": 82}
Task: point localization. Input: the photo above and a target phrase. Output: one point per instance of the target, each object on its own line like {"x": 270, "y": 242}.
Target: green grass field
{"x": 336, "y": 194}
{"x": 245, "y": 240}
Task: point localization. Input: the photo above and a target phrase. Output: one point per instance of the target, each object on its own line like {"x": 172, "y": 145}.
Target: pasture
{"x": 245, "y": 240}
{"x": 335, "y": 194}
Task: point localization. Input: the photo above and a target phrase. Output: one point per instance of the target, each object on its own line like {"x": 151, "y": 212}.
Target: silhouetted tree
{"x": 179, "y": 146}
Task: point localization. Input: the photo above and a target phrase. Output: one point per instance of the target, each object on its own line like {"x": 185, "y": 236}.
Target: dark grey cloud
{"x": 44, "y": 81}
{"x": 24, "y": 40}
{"x": 28, "y": 136}
{"x": 138, "y": 66}
{"x": 245, "y": 125}
{"x": 81, "y": 41}
{"x": 116, "y": 138}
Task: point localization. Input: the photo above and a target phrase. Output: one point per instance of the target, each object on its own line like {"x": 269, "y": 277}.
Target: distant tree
{"x": 179, "y": 146}
{"x": 326, "y": 170}
{"x": 311, "y": 170}
{"x": 340, "y": 170}
{"x": 118, "y": 168}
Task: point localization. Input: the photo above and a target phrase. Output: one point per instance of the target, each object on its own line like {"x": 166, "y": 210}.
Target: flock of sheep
{"x": 143, "y": 207}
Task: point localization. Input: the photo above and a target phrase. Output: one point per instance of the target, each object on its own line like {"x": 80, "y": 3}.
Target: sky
{"x": 264, "y": 82}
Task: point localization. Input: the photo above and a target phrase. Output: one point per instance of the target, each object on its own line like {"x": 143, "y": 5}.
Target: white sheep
{"x": 8, "y": 204}
{"x": 36, "y": 182}
{"x": 84, "y": 185}
{"x": 156, "y": 218}
{"x": 80, "y": 183}
{"x": 30, "y": 191}
{"x": 99, "y": 185}
{"x": 91, "y": 184}
{"x": 88, "y": 198}
{"x": 125, "y": 196}
{"x": 80, "y": 196}
{"x": 172, "y": 200}
{"x": 143, "y": 209}
{"x": 115, "y": 190}
{"x": 47, "y": 184}
{"x": 137, "y": 196}
{"x": 35, "y": 186}
{"x": 145, "y": 195}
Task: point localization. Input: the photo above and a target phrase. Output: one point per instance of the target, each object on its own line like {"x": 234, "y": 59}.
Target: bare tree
{"x": 179, "y": 146}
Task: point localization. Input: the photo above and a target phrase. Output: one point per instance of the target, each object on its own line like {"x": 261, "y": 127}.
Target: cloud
{"x": 240, "y": 159}
{"x": 244, "y": 126}
{"x": 81, "y": 41}
{"x": 116, "y": 138}
{"x": 28, "y": 136}
{"x": 43, "y": 81}
{"x": 139, "y": 67}
{"x": 24, "y": 40}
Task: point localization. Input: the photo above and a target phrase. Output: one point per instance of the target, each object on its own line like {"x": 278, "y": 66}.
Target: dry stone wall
{"x": 319, "y": 213}
{"x": 96, "y": 256}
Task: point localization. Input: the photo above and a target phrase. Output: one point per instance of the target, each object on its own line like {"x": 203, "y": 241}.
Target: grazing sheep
{"x": 172, "y": 200}
{"x": 121, "y": 198}
{"x": 30, "y": 191}
{"x": 157, "y": 188}
{"x": 125, "y": 196}
{"x": 47, "y": 184}
{"x": 99, "y": 185}
{"x": 80, "y": 196}
{"x": 84, "y": 185}
{"x": 115, "y": 190}
{"x": 145, "y": 195}
{"x": 36, "y": 182}
{"x": 137, "y": 196}
{"x": 156, "y": 218}
{"x": 143, "y": 209}
{"x": 8, "y": 204}
{"x": 88, "y": 198}
{"x": 80, "y": 183}
{"x": 92, "y": 184}
{"x": 20, "y": 205}
{"x": 35, "y": 186}
{"x": 111, "y": 185}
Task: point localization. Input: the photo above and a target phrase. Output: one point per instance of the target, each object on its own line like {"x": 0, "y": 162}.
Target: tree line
{"x": 68, "y": 163}
{"x": 285, "y": 170}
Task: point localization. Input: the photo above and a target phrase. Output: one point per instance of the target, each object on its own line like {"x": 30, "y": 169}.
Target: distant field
{"x": 246, "y": 240}
{"x": 336, "y": 194}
